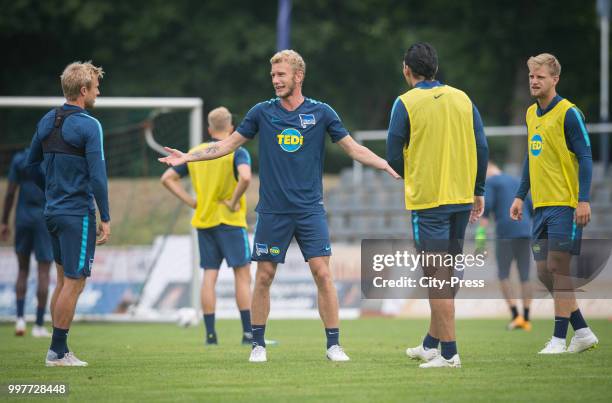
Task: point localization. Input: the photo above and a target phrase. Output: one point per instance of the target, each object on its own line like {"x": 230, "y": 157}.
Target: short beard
{"x": 290, "y": 91}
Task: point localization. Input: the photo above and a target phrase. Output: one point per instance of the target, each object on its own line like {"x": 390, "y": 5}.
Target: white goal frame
{"x": 193, "y": 105}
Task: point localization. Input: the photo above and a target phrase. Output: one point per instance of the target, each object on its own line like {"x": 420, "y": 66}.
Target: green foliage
{"x": 353, "y": 49}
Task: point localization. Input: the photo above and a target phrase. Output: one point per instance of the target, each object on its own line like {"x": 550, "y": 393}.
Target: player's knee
{"x": 322, "y": 277}
{"x": 545, "y": 276}
{"x": 442, "y": 305}
{"x": 264, "y": 278}
{"x": 43, "y": 279}
{"x": 75, "y": 286}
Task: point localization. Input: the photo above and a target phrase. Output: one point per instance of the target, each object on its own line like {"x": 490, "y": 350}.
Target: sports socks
{"x": 449, "y": 349}
{"x": 333, "y": 336}
{"x": 20, "y": 307}
{"x": 561, "y": 327}
{"x": 577, "y": 320}
{"x": 40, "y": 316}
{"x": 430, "y": 342}
{"x": 526, "y": 314}
{"x": 258, "y": 335}
{"x": 245, "y": 317}
{"x": 59, "y": 341}
{"x": 514, "y": 311}
{"x": 209, "y": 323}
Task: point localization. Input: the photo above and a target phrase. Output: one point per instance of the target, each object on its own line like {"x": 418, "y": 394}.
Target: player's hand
{"x": 174, "y": 158}
{"x": 582, "y": 215}
{"x": 193, "y": 204}
{"x": 387, "y": 168}
{"x": 5, "y": 232}
{"x": 477, "y": 208}
{"x": 103, "y": 232}
{"x": 232, "y": 207}
{"x": 516, "y": 210}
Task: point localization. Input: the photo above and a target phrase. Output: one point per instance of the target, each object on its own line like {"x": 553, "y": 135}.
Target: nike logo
{"x": 328, "y": 247}
{"x": 330, "y": 333}
{"x": 275, "y": 120}
{"x": 438, "y": 96}
{"x": 538, "y": 126}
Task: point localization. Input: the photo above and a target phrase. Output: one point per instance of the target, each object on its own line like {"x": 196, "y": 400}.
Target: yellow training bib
{"x": 440, "y": 160}
{"x": 553, "y": 168}
{"x": 214, "y": 181}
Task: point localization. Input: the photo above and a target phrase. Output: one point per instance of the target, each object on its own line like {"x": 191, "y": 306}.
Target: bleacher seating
{"x": 375, "y": 208}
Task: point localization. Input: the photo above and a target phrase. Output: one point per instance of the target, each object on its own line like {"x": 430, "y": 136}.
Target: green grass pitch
{"x": 162, "y": 362}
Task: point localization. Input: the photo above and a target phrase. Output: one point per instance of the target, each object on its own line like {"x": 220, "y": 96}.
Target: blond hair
{"x": 292, "y": 57}
{"x": 219, "y": 119}
{"x": 78, "y": 75}
{"x": 546, "y": 59}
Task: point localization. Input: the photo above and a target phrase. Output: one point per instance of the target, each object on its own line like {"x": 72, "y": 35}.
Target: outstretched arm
{"x": 362, "y": 154}
{"x": 214, "y": 150}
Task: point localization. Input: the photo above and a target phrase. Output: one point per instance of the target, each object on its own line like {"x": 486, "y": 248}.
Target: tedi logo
{"x": 535, "y": 145}
{"x": 290, "y": 140}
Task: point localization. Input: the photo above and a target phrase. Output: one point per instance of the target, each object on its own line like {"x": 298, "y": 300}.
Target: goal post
{"x": 193, "y": 106}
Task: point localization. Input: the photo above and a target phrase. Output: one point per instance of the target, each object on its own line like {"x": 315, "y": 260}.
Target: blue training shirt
{"x": 577, "y": 141}
{"x": 499, "y": 195}
{"x": 31, "y": 201}
{"x": 291, "y": 148}
{"x": 72, "y": 182}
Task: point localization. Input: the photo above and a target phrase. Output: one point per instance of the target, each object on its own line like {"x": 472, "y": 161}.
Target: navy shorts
{"x": 437, "y": 230}
{"x": 223, "y": 242}
{"x": 507, "y": 250}
{"x": 273, "y": 234}
{"x": 35, "y": 238}
{"x": 74, "y": 243}
{"x": 554, "y": 229}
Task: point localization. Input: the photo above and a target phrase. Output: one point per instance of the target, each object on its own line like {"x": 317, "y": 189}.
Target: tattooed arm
{"x": 214, "y": 150}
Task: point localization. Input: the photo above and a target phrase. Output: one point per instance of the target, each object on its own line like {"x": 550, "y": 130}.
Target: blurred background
{"x": 219, "y": 51}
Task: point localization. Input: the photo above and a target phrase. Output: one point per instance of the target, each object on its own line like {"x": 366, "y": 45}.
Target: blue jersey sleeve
{"x": 250, "y": 124}
{"x": 13, "y": 175}
{"x": 181, "y": 170}
{"x": 35, "y": 156}
{"x": 398, "y": 136}
{"x": 482, "y": 153}
{"x": 94, "y": 153}
{"x": 577, "y": 139}
{"x": 241, "y": 156}
{"x": 335, "y": 128}
{"x": 521, "y": 193}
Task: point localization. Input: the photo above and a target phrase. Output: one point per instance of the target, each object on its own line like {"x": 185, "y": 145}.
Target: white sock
{"x": 585, "y": 331}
